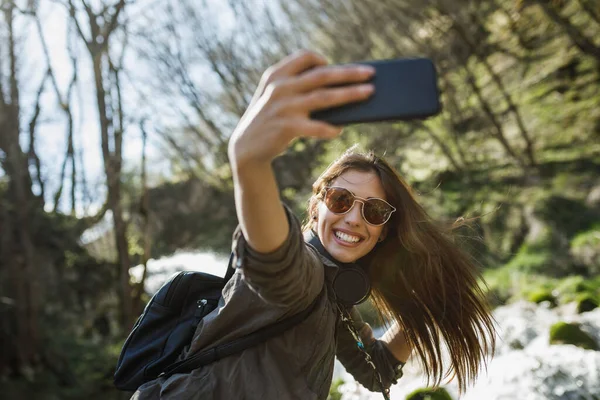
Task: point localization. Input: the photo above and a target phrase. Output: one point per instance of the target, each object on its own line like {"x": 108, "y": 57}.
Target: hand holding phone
{"x": 405, "y": 89}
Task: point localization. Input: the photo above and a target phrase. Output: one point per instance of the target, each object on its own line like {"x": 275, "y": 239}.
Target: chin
{"x": 344, "y": 256}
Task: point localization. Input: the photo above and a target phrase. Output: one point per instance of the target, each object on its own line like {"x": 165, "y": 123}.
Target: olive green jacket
{"x": 295, "y": 365}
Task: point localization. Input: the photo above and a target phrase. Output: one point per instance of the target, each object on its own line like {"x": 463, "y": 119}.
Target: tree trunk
{"x": 112, "y": 169}
{"x": 584, "y": 44}
{"x": 17, "y": 242}
{"x": 101, "y": 26}
{"x": 529, "y": 151}
{"x": 497, "y": 131}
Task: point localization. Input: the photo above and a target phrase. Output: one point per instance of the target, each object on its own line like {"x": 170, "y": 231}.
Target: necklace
{"x": 347, "y": 321}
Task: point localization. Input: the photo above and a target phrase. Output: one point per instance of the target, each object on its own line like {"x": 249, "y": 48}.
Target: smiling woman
{"x": 422, "y": 284}
{"x": 366, "y": 234}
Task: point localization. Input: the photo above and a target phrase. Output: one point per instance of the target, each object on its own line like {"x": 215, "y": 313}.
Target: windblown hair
{"x": 421, "y": 279}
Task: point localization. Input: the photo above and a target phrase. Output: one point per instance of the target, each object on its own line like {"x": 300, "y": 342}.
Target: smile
{"x": 347, "y": 238}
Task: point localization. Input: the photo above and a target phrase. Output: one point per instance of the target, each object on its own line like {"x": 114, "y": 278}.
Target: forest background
{"x": 115, "y": 117}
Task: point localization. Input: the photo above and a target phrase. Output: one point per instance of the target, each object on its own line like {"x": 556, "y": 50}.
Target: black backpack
{"x": 168, "y": 323}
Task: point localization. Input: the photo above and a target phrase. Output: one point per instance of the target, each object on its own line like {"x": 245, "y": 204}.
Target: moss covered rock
{"x": 586, "y": 302}
{"x": 429, "y": 394}
{"x": 566, "y": 333}
{"x": 542, "y": 295}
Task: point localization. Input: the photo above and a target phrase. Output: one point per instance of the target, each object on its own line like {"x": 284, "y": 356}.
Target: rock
{"x": 520, "y": 324}
{"x": 586, "y": 302}
{"x": 429, "y": 394}
{"x": 543, "y": 295}
{"x": 540, "y": 373}
{"x": 571, "y": 333}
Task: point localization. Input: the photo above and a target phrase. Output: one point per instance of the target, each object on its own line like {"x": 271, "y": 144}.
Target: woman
{"x": 362, "y": 216}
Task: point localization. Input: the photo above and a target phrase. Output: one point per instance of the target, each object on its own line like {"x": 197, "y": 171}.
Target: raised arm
{"x": 279, "y": 113}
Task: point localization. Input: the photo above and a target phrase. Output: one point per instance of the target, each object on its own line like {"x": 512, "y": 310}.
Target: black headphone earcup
{"x": 351, "y": 285}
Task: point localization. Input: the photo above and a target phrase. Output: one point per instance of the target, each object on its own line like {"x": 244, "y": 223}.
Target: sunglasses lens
{"x": 338, "y": 200}
{"x": 376, "y": 211}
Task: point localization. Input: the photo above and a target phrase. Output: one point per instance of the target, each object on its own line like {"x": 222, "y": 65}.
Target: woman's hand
{"x": 287, "y": 94}
{"x": 278, "y": 113}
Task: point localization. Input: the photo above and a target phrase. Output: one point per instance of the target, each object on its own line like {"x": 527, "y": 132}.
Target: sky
{"x": 51, "y": 137}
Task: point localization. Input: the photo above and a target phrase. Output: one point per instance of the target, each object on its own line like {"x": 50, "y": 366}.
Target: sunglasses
{"x": 375, "y": 211}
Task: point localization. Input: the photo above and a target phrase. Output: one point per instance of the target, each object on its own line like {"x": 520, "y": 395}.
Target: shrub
{"x": 585, "y": 248}
{"x": 565, "y": 333}
{"x": 574, "y": 288}
{"x": 429, "y": 394}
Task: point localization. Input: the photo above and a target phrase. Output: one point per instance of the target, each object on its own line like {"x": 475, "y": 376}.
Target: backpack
{"x": 167, "y": 325}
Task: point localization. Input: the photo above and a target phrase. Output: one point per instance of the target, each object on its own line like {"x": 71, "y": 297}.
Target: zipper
{"x": 200, "y": 309}
{"x": 172, "y": 289}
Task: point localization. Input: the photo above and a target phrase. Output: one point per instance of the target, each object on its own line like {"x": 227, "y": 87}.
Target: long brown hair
{"x": 422, "y": 279}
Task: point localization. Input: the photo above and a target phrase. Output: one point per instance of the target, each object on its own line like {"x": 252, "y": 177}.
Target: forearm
{"x": 259, "y": 210}
{"x": 397, "y": 343}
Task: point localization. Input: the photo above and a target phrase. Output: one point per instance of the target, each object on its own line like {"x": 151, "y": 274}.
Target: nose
{"x": 354, "y": 216}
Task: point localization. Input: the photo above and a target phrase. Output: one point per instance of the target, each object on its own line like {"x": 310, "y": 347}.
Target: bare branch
{"x": 47, "y": 57}
{"x": 31, "y": 153}
{"x": 73, "y": 14}
{"x": 111, "y": 25}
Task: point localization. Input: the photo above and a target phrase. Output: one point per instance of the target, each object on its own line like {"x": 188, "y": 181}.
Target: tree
{"x": 101, "y": 28}
{"x": 19, "y": 208}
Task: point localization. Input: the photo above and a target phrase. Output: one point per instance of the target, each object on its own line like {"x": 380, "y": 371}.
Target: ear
{"x": 384, "y": 233}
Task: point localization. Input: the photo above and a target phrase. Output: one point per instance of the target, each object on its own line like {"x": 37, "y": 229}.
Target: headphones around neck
{"x": 351, "y": 283}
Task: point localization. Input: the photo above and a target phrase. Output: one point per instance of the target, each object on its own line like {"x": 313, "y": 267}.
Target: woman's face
{"x": 348, "y": 237}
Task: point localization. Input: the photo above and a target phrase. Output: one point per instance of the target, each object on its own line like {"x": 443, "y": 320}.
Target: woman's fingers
{"x": 330, "y": 76}
{"x": 302, "y": 127}
{"x": 332, "y": 97}
{"x": 293, "y": 65}
{"x": 287, "y": 68}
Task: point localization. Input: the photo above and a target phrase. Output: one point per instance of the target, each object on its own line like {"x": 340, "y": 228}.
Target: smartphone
{"x": 404, "y": 89}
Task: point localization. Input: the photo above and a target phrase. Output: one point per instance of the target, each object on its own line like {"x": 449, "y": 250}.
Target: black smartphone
{"x": 404, "y": 89}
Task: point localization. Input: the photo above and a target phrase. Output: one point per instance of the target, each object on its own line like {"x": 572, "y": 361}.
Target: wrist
{"x": 242, "y": 159}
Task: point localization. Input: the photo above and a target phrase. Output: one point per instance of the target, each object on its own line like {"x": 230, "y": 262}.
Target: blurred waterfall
{"x": 525, "y": 366}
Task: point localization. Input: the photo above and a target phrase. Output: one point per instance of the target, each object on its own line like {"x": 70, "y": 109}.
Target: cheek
{"x": 323, "y": 214}
{"x": 325, "y": 219}
{"x": 374, "y": 232}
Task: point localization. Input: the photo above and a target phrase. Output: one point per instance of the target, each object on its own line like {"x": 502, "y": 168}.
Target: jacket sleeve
{"x": 291, "y": 276}
{"x": 353, "y": 359}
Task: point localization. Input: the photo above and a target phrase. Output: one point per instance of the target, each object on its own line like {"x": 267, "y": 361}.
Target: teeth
{"x": 346, "y": 238}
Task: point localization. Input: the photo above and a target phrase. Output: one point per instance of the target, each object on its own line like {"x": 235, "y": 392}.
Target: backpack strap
{"x": 215, "y": 353}
{"x": 230, "y": 269}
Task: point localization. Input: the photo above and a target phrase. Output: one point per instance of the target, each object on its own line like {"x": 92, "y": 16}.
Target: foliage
{"x": 506, "y": 285}
{"x": 566, "y": 333}
{"x": 429, "y": 394}
{"x": 191, "y": 214}
{"x": 334, "y": 390}
{"x": 585, "y": 247}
